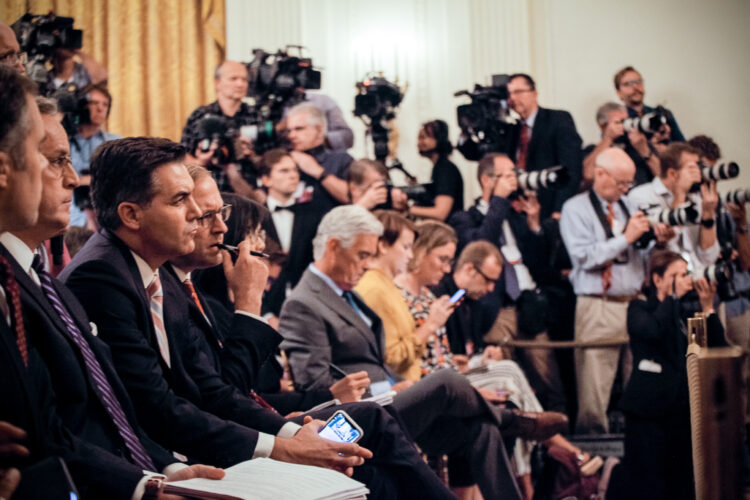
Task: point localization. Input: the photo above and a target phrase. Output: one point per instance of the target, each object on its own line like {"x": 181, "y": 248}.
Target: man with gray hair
{"x": 329, "y": 331}
{"x": 323, "y": 169}
{"x": 610, "y": 117}
{"x": 599, "y": 228}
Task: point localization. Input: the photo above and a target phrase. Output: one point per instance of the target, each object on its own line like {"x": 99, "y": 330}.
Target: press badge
{"x": 646, "y": 365}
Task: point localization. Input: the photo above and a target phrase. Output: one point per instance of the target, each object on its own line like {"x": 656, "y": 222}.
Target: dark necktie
{"x": 512, "y": 288}
{"x": 523, "y": 147}
{"x": 103, "y": 387}
{"x": 8, "y": 282}
{"x": 607, "y": 271}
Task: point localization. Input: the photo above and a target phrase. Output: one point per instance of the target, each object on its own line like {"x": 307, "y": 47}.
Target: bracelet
{"x": 708, "y": 223}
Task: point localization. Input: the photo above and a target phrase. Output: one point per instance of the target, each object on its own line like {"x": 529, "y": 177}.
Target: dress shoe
{"x": 535, "y": 425}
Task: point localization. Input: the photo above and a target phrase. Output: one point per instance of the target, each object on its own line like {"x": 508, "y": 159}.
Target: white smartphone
{"x": 457, "y": 296}
{"x": 341, "y": 428}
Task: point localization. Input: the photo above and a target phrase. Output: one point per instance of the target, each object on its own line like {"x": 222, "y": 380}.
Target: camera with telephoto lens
{"x": 275, "y": 82}
{"x": 738, "y": 196}
{"x": 650, "y": 123}
{"x": 549, "y": 178}
{"x": 213, "y": 128}
{"x": 421, "y": 194}
{"x": 721, "y": 274}
{"x": 486, "y": 120}
{"x": 375, "y": 104}
{"x": 686, "y": 214}
{"x": 720, "y": 172}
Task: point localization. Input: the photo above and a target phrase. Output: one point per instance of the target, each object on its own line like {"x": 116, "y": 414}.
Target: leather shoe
{"x": 535, "y": 425}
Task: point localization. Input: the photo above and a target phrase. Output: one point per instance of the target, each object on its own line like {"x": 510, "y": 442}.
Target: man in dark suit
{"x": 547, "y": 138}
{"x": 325, "y": 324}
{"x": 516, "y": 307}
{"x": 180, "y": 397}
{"x": 292, "y": 223}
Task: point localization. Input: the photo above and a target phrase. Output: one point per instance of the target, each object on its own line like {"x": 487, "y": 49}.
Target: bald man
{"x": 230, "y": 83}
{"x": 10, "y": 51}
{"x": 599, "y": 228}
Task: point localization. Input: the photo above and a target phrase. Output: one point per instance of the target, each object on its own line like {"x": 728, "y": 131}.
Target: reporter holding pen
{"x": 657, "y": 462}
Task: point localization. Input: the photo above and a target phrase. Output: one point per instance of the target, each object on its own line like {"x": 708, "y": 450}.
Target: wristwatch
{"x": 152, "y": 488}
{"x": 323, "y": 176}
{"x": 708, "y": 223}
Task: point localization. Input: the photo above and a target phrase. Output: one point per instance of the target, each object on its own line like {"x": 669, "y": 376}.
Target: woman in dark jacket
{"x": 658, "y": 454}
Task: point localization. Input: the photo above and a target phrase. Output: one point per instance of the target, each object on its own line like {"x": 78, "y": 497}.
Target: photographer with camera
{"x": 323, "y": 169}
{"x": 511, "y": 221}
{"x": 433, "y": 143}
{"x": 228, "y": 159}
{"x": 599, "y": 228}
{"x": 610, "y": 117}
{"x": 369, "y": 187}
{"x": 677, "y": 185}
{"x": 657, "y": 462}
{"x": 89, "y": 136}
{"x": 630, "y": 90}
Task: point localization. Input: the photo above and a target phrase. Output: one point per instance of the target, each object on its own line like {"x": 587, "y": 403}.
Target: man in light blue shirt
{"x": 89, "y": 137}
{"x": 599, "y": 228}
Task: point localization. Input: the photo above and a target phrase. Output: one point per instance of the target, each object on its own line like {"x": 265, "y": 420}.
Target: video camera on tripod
{"x": 375, "y": 104}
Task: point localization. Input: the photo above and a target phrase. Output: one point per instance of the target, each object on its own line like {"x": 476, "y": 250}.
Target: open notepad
{"x": 264, "y": 478}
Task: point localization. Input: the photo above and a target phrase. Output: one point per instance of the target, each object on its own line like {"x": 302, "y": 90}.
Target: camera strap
{"x": 600, "y": 212}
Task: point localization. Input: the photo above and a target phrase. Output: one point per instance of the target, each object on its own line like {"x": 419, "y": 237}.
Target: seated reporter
{"x": 657, "y": 460}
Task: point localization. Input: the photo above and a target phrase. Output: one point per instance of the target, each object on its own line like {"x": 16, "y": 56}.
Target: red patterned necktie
{"x": 607, "y": 272}
{"x": 8, "y": 282}
{"x": 189, "y": 285}
{"x": 523, "y": 147}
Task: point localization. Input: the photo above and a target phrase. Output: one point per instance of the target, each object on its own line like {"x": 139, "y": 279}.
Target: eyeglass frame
{"x": 484, "y": 276}
{"x": 59, "y": 171}
{"x": 17, "y": 56}
{"x": 209, "y": 216}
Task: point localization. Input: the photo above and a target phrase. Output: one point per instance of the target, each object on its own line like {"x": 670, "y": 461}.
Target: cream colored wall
{"x": 692, "y": 53}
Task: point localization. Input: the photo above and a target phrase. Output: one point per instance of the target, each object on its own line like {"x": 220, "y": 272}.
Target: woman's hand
{"x": 706, "y": 293}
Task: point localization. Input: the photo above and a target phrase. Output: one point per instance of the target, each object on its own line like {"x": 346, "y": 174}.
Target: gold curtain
{"x": 160, "y": 55}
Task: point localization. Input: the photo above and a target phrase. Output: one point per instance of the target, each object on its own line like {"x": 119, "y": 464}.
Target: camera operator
{"x": 324, "y": 169}
{"x": 512, "y": 224}
{"x": 599, "y": 228}
{"x": 73, "y": 67}
{"x": 338, "y": 134}
{"x": 434, "y": 144}
{"x": 230, "y": 81}
{"x": 609, "y": 117}
{"x": 10, "y": 51}
{"x": 630, "y": 90}
{"x": 548, "y": 137}
{"x": 657, "y": 462}
{"x": 368, "y": 187}
{"x": 89, "y": 136}
{"x": 680, "y": 174}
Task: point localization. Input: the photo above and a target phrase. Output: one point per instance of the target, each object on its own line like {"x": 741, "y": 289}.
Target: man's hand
{"x": 492, "y": 353}
{"x": 308, "y": 448}
{"x": 706, "y": 293}
{"x": 246, "y": 278}
{"x": 505, "y": 184}
{"x": 639, "y": 142}
{"x": 9, "y": 479}
{"x": 662, "y": 135}
{"x": 206, "y": 157}
{"x": 709, "y": 200}
{"x": 10, "y": 435}
{"x": 376, "y": 194}
{"x": 350, "y": 388}
{"x": 399, "y": 200}
{"x": 737, "y": 212}
{"x": 637, "y": 225}
{"x": 663, "y": 232}
{"x": 307, "y": 164}
{"x": 192, "y": 472}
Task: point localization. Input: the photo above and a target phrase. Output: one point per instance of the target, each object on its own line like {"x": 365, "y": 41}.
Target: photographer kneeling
{"x": 657, "y": 462}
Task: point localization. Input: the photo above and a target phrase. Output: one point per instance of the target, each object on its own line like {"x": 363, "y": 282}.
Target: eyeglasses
{"x": 630, "y": 83}
{"x": 207, "y": 219}
{"x": 57, "y": 165}
{"x": 445, "y": 260}
{"x": 486, "y": 278}
{"x": 13, "y": 58}
{"x": 519, "y": 91}
{"x": 620, "y": 184}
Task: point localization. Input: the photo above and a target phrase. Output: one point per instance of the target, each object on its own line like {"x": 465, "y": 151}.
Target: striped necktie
{"x": 191, "y": 289}
{"x": 156, "y": 299}
{"x": 8, "y": 282}
{"x": 103, "y": 388}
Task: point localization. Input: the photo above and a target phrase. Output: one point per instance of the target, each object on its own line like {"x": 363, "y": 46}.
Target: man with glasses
{"x": 676, "y": 187}
{"x": 547, "y": 138}
{"x": 599, "y": 228}
{"x": 512, "y": 223}
{"x": 630, "y": 90}
{"x": 10, "y": 51}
